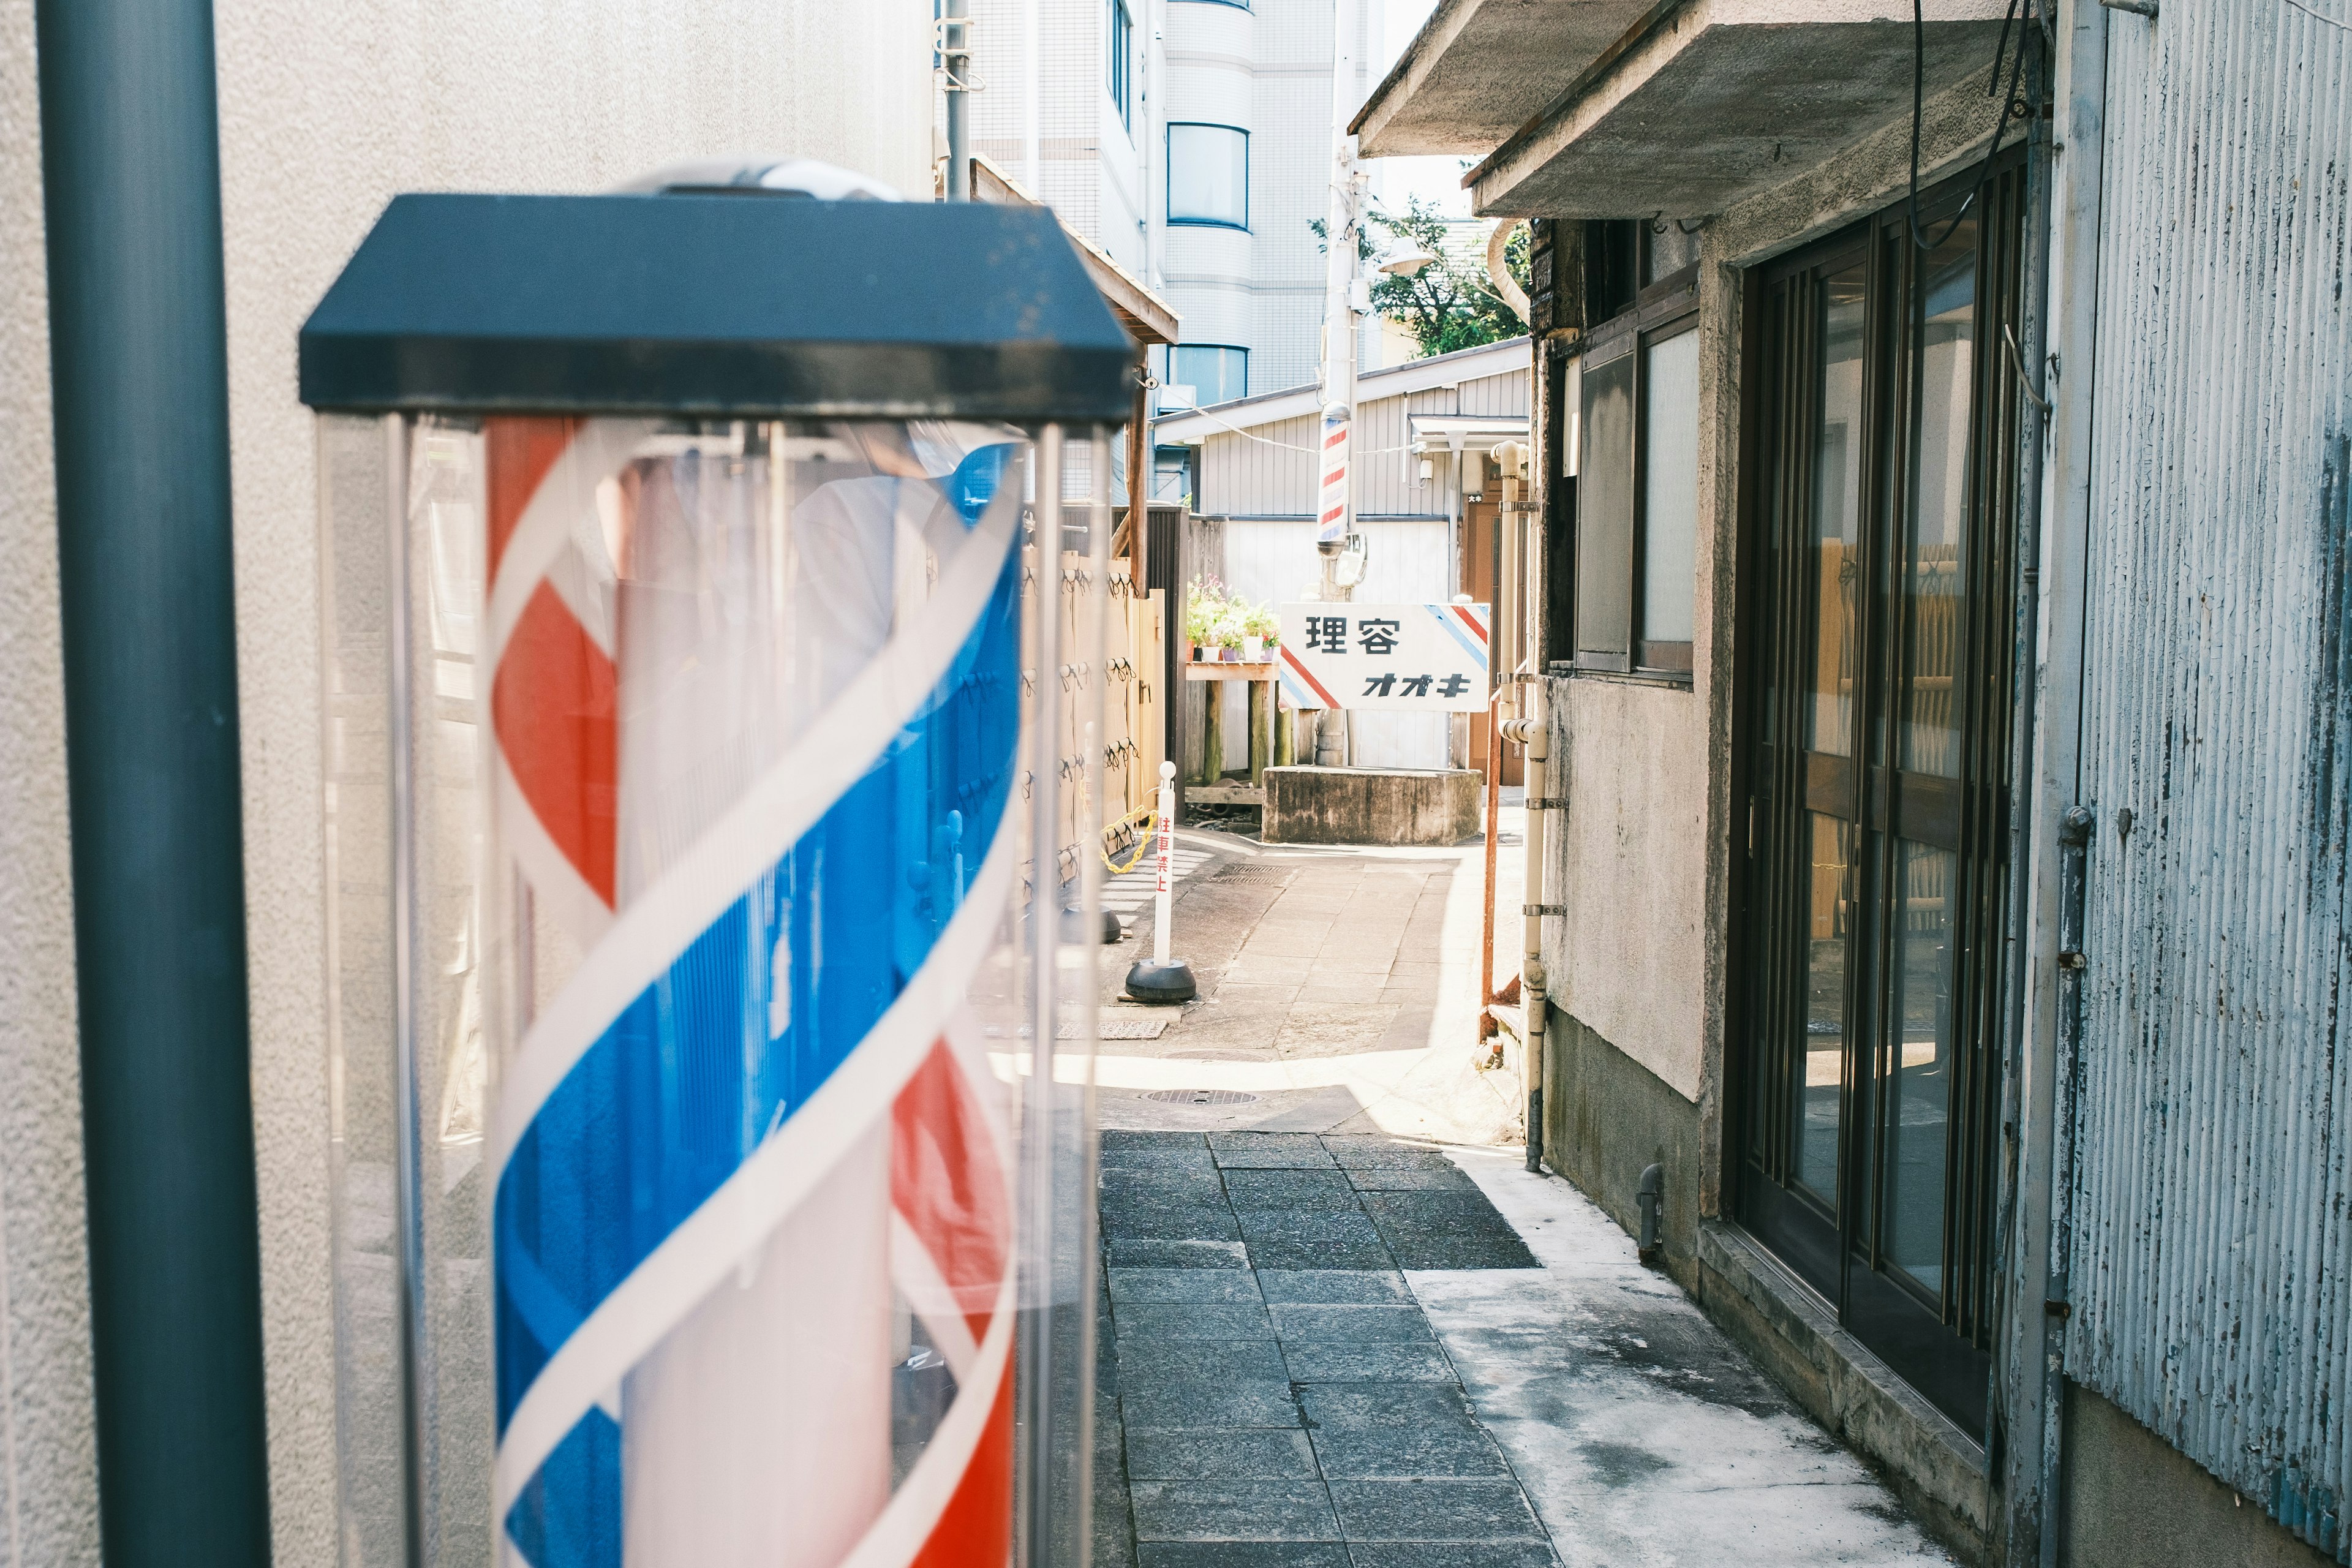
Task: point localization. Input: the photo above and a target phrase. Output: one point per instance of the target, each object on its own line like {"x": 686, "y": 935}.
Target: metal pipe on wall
{"x": 2034, "y": 1385}
{"x": 954, "y": 40}
{"x": 139, "y": 377}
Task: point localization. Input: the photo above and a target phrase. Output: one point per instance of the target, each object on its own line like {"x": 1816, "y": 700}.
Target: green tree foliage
{"x": 1450, "y": 304}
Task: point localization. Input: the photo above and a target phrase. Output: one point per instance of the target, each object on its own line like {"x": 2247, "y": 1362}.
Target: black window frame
{"x": 1168, "y": 196}
{"x": 1664, "y": 310}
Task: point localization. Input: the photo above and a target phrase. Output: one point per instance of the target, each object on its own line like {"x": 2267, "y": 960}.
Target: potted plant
{"x": 1260, "y": 629}
{"x": 1204, "y": 605}
{"x": 1229, "y": 631}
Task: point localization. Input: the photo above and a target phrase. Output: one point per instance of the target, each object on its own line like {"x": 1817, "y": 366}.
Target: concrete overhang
{"x": 1475, "y": 432}
{"x": 1479, "y": 69}
{"x": 1714, "y": 101}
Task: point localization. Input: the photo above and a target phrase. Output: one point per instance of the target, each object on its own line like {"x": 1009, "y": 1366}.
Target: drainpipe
{"x": 1530, "y": 730}
{"x": 2064, "y": 364}
{"x": 139, "y": 381}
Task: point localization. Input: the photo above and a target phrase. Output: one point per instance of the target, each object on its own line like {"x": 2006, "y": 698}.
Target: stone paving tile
{"x": 1247, "y": 1554}
{"x": 1455, "y": 1452}
{"x": 1157, "y": 1222}
{"x": 1236, "y": 1456}
{"x": 1409, "y": 1179}
{"x": 1216, "y": 1405}
{"x": 1137, "y": 1138}
{"x": 1176, "y": 1253}
{"x": 1144, "y": 1287}
{"x": 1115, "y": 1161}
{"x": 1173, "y": 1323}
{"x": 1427, "y": 1510}
{"x": 1123, "y": 1191}
{"x": 1274, "y": 1160}
{"x": 1445, "y": 1230}
{"x": 1148, "y": 1361}
{"x": 1313, "y": 1238}
{"x": 1234, "y": 1510}
{"x": 1448, "y": 1554}
{"x": 1332, "y": 1286}
{"x": 1291, "y": 1189}
{"x": 1367, "y": 1362}
{"x": 1319, "y": 1322}
{"x": 1382, "y": 1404}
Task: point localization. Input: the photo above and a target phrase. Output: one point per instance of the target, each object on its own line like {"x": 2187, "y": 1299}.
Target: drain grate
{"x": 1115, "y": 1028}
{"x": 1201, "y": 1096}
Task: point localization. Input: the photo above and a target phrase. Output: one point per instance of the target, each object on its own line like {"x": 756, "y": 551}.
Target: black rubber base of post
{"x": 1112, "y": 931}
{"x": 1150, "y": 980}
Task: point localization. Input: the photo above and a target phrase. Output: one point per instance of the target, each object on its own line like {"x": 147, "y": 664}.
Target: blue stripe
{"x": 570, "y": 1514}
{"x": 714, "y": 1056}
{"x": 1469, "y": 644}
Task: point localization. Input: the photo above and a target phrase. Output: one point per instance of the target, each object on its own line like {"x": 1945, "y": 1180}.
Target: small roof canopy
{"x": 753, "y": 305}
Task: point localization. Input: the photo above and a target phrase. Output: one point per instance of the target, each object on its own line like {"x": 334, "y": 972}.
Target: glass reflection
{"x": 1837, "y": 513}
{"x": 1919, "y": 1086}
{"x": 1931, "y": 582}
{"x": 1827, "y": 909}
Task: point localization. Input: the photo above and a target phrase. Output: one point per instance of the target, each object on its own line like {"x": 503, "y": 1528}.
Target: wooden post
{"x": 1213, "y": 733}
{"x": 1285, "y": 735}
{"x": 1261, "y": 729}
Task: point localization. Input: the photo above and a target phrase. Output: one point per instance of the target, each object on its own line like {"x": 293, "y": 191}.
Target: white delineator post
{"x": 1160, "y": 978}
{"x": 1164, "y": 897}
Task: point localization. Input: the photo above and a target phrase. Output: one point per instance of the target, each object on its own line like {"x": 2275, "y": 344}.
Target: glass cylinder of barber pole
{"x": 713, "y": 766}
{"x": 786, "y": 812}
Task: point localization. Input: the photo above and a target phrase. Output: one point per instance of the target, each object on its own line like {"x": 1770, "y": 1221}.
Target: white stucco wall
{"x": 325, "y": 112}
{"x": 49, "y": 1498}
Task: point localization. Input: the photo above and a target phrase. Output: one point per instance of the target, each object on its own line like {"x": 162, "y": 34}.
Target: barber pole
{"x": 1332, "y": 511}
{"x": 751, "y": 1170}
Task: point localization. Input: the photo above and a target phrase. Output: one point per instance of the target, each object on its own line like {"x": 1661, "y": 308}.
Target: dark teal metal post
{"x": 130, "y": 166}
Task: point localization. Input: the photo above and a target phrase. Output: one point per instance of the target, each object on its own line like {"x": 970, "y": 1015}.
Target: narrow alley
{"x": 1342, "y": 1327}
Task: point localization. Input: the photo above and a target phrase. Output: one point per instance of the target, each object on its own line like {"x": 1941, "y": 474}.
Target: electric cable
{"x": 1918, "y": 108}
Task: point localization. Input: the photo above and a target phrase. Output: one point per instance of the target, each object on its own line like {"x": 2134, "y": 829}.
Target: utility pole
{"x": 1336, "y": 509}
{"x": 953, "y": 32}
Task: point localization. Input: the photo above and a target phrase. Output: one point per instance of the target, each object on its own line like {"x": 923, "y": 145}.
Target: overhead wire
{"x": 2009, "y": 106}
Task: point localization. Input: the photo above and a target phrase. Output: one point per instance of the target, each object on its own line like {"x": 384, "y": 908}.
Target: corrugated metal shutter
{"x": 2211, "y": 1232}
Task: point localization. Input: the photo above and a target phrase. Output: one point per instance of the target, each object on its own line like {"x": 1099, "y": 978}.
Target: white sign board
{"x": 1393, "y": 657}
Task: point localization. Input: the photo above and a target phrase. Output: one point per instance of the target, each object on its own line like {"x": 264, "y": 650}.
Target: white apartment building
{"x": 1190, "y": 140}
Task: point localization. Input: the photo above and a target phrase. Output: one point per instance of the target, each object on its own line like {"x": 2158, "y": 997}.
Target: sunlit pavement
{"x": 1342, "y": 1327}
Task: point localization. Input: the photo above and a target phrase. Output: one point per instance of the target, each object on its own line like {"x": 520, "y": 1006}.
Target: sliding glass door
{"x": 1879, "y": 707}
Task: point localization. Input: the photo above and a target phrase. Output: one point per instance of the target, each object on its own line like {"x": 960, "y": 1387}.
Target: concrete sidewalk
{"x": 1342, "y": 1327}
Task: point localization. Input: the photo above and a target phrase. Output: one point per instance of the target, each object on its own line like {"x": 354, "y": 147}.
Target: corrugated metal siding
{"x": 2210, "y": 1216}
{"x": 1275, "y": 475}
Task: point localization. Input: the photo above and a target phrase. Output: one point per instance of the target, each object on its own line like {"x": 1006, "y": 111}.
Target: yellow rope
{"x": 1147, "y": 819}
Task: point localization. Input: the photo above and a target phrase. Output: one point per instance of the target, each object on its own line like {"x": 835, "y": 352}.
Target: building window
{"x": 1122, "y": 45}
{"x": 1637, "y": 486}
{"x": 1208, "y": 175}
{"x": 1215, "y": 373}
{"x": 1172, "y": 474}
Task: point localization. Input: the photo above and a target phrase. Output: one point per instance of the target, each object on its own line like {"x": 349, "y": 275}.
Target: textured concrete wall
{"x": 326, "y": 111}
{"x": 2132, "y": 1498}
{"x": 48, "y": 1494}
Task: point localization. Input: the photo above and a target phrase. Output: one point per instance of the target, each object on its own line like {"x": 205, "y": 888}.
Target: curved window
{"x": 1215, "y": 373}
{"x": 1208, "y": 174}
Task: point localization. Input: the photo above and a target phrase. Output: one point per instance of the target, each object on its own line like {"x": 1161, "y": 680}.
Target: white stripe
{"x": 785, "y": 802}
{"x": 906, "y": 1526}
{"x": 561, "y": 891}
{"x": 600, "y": 449}
{"x": 676, "y": 1275}
{"x": 932, "y": 1298}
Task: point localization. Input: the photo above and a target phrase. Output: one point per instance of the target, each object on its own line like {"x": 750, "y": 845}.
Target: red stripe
{"x": 1334, "y": 476}
{"x": 552, "y": 705}
{"x": 975, "y": 1529}
{"x": 945, "y": 1179}
{"x": 1336, "y": 436}
{"x": 1471, "y": 621}
{"x": 1335, "y": 512}
{"x": 1313, "y": 685}
{"x": 520, "y": 450}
